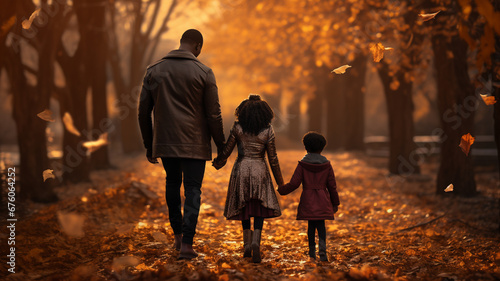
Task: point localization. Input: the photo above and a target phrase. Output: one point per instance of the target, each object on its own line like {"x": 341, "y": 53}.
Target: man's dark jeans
{"x": 193, "y": 171}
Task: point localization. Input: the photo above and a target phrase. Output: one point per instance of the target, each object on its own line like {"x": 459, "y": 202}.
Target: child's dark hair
{"x": 254, "y": 114}
{"x": 314, "y": 142}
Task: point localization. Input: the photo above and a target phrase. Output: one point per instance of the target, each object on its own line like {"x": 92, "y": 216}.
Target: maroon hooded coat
{"x": 319, "y": 193}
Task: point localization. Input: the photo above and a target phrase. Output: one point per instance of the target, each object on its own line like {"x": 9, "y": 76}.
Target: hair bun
{"x": 254, "y": 97}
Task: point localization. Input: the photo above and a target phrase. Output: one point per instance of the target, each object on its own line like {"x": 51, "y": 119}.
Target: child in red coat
{"x": 319, "y": 199}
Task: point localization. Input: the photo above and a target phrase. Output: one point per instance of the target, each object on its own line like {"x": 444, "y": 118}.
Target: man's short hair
{"x": 314, "y": 142}
{"x": 192, "y": 36}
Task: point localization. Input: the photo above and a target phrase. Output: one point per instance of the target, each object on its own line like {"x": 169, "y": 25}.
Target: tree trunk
{"x": 96, "y": 69}
{"x": 293, "y": 121}
{"x": 496, "y": 93}
{"x": 355, "y": 104}
{"x": 32, "y": 148}
{"x": 403, "y": 158}
{"x": 315, "y": 108}
{"x": 28, "y": 101}
{"x": 456, "y": 103}
{"x": 335, "y": 94}
{"x": 75, "y": 165}
{"x": 495, "y": 58}
{"x": 131, "y": 137}
{"x": 31, "y": 138}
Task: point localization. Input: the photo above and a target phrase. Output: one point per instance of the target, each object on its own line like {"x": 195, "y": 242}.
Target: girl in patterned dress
{"x": 251, "y": 191}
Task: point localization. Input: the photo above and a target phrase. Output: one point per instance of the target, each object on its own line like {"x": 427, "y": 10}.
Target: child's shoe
{"x": 322, "y": 250}
{"x": 312, "y": 250}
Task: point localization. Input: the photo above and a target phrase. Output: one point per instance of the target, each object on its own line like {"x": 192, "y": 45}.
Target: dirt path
{"x": 122, "y": 230}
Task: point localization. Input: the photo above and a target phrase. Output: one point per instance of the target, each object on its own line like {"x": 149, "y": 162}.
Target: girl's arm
{"x": 226, "y": 151}
{"x": 294, "y": 182}
{"x": 273, "y": 158}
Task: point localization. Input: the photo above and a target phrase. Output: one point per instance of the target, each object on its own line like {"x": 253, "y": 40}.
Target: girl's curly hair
{"x": 254, "y": 114}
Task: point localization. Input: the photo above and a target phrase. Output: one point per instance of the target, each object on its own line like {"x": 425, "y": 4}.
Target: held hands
{"x": 218, "y": 163}
{"x": 151, "y": 159}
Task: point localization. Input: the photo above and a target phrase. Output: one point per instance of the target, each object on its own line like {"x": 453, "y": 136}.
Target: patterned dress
{"x": 251, "y": 191}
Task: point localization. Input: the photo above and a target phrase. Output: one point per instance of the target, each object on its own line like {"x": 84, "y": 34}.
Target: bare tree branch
{"x": 163, "y": 29}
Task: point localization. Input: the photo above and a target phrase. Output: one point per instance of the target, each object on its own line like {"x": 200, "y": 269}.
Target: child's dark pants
{"x": 311, "y": 231}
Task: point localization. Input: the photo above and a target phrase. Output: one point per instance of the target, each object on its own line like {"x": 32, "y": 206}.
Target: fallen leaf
{"x": 35, "y": 254}
{"x": 449, "y": 188}
{"x": 46, "y": 115}
{"x": 48, "y": 174}
{"x": 143, "y": 267}
{"x": 377, "y": 51}
{"x": 121, "y": 263}
{"x": 71, "y": 223}
{"x": 341, "y": 70}
{"x": 488, "y": 100}
{"x": 95, "y": 145}
{"x": 465, "y": 142}
{"x": 68, "y": 123}
{"x": 426, "y": 17}
{"x": 160, "y": 237}
{"x": 27, "y": 23}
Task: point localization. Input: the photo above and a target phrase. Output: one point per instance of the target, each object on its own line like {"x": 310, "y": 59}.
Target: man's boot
{"x": 177, "y": 241}
{"x": 256, "y": 245}
{"x": 247, "y": 243}
{"x": 187, "y": 252}
{"x": 322, "y": 249}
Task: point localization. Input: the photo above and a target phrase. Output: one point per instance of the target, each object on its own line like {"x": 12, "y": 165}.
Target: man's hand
{"x": 152, "y": 160}
{"x": 218, "y": 163}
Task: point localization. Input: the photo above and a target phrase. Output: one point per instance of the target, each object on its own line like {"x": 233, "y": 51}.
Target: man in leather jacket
{"x": 182, "y": 94}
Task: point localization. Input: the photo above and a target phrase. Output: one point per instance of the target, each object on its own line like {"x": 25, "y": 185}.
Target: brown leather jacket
{"x": 182, "y": 94}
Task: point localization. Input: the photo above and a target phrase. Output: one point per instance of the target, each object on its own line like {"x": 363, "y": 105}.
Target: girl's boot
{"x": 247, "y": 243}
{"x": 256, "y": 246}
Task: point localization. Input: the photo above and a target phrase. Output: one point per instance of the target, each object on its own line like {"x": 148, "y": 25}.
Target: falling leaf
{"x": 95, "y": 145}
{"x": 68, "y": 123}
{"x": 46, "y": 115}
{"x": 449, "y": 188}
{"x": 341, "y": 70}
{"x": 465, "y": 143}
{"x": 48, "y": 174}
{"x": 426, "y": 17}
{"x": 71, "y": 223}
{"x": 394, "y": 84}
{"x": 27, "y": 23}
{"x": 121, "y": 263}
{"x": 7, "y": 25}
{"x": 377, "y": 51}
{"x": 488, "y": 100}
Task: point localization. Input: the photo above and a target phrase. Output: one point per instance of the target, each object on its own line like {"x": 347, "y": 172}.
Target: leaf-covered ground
{"x": 386, "y": 229}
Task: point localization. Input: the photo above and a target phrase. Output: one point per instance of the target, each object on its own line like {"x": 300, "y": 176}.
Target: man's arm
{"x": 213, "y": 112}
{"x": 146, "y": 104}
